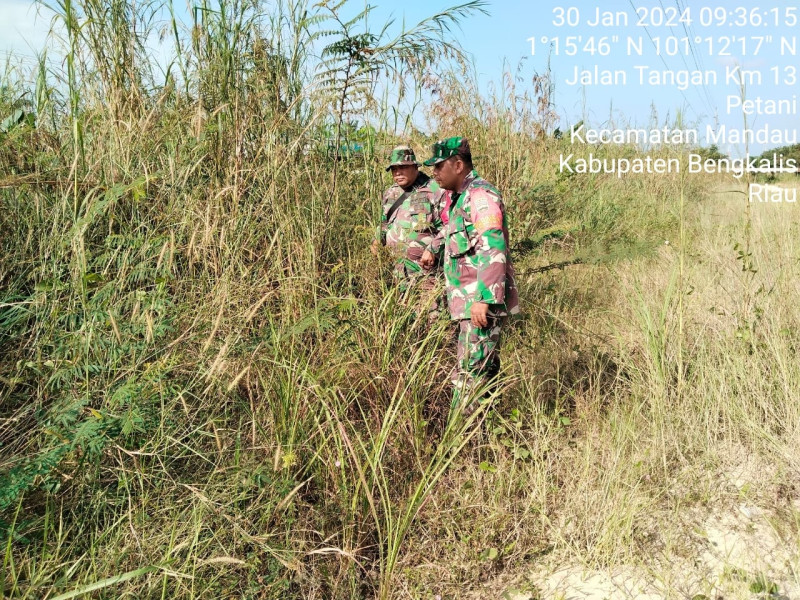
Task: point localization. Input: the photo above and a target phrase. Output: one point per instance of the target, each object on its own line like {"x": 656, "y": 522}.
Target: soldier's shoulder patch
{"x": 485, "y": 210}
{"x": 482, "y": 199}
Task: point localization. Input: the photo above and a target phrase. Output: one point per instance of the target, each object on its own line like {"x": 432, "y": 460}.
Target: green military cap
{"x": 444, "y": 149}
{"x": 402, "y": 155}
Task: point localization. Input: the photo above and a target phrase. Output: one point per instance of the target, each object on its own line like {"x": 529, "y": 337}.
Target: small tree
{"x": 353, "y": 62}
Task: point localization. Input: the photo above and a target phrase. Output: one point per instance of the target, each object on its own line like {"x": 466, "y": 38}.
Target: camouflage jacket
{"x": 413, "y": 225}
{"x": 477, "y": 265}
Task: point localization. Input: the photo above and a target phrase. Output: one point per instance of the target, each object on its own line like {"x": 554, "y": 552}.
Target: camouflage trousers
{"x": 477, "y": 363}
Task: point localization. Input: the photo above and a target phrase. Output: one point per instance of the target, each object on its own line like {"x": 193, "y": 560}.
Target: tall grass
{"x": 210, "y": 388}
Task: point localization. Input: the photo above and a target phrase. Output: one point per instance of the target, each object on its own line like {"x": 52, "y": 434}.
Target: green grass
{"x": 209, "y": 387}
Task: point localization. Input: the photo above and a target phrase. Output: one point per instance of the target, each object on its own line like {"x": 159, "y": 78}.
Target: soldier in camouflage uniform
{"x": 409, "y": 221}
{"x": 479, "y": 276}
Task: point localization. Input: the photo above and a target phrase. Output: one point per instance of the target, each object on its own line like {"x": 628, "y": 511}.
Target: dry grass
{"x": 658, "y": 486}
{"x": 210, "y": 389}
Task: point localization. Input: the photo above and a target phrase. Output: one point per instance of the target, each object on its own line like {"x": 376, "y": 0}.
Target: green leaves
{"x": 17, "y": 118}
{"x": 746, "y": 258}
{"x": 757, "y": 583}
{"x": 104, "y": 583}
{"x": 357, "y": 47}
{"x": 487, "y": 468}
{"x": 351, "y": 62}
{"x": 762, "y": 585}
{"x": 92, "y": 279}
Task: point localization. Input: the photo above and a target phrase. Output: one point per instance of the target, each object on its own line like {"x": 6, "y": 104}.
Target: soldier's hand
{"x": 374, "y": 247}
{"x": 427, "y": 260}
{"x": 478, "y": 313}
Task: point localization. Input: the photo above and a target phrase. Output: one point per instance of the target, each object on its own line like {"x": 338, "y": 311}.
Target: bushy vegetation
{"x": 209, "y": 387}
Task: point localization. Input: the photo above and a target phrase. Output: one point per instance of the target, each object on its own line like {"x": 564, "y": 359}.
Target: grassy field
{"x": 674, "y": 476}
{"x": 209, "y": 387}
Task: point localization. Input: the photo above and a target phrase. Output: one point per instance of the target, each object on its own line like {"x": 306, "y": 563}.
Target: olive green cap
{"x": 402, "y": 155}
{"x": 444, "y": 149}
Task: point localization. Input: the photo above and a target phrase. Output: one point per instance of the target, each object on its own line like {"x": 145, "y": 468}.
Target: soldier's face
{"x": 448, "y": 173}
{"x": 404, "y": 175}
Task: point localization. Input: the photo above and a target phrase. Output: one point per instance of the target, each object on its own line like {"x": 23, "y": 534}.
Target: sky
{"x": 21, "y": 31}
{"x": 595, "y": 62}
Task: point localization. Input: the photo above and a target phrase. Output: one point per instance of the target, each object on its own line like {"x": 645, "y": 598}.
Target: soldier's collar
{"x": 421, "y": 180}
{"x": 467, "y": 181}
